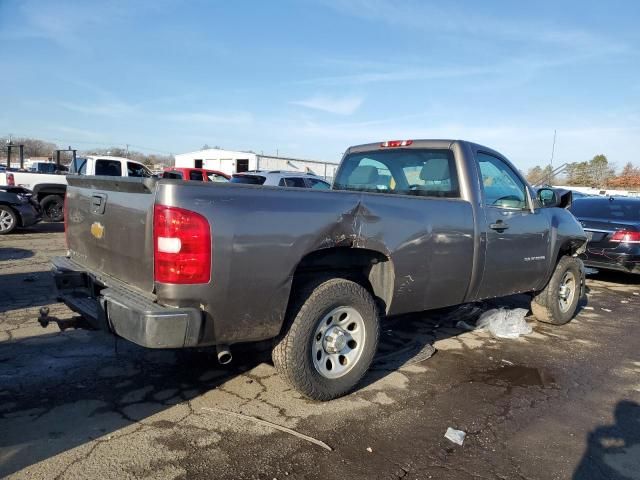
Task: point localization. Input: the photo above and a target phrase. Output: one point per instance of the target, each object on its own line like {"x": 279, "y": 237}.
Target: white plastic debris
{"x": 464, "y": 325}
{"x": 587, "y": 308}
{"x": 606, "y": 310}
{"x": 456, "y": 436}
{"x": 503, "y": 323}
{"x": 369, "y": 449}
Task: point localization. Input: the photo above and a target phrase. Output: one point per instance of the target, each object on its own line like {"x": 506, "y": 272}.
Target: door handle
{"x": 499, "y": 225}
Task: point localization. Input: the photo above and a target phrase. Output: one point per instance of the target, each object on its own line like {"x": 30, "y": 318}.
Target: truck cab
{"x": 108, "y": 166}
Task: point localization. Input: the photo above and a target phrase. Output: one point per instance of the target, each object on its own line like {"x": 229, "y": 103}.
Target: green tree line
{"x": 597, "y": 172}
{"x": 34, "y": 147}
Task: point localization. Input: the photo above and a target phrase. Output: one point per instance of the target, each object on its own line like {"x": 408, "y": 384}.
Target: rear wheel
{"x": 557, "y": 302}
{"x": 332, "y": 336}
{"x": 8, "y": 220}
{"x": 53, "y": 208}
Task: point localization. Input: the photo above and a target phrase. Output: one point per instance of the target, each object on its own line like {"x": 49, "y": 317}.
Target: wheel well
{"x": 370, "y": 268}
{"x": 41, "y": 191}
{"x": 43, "y": 195}
{"x": 570, "y": 248}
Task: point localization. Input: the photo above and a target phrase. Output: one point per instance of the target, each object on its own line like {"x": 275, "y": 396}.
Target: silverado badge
{"x": 97, "y": 230}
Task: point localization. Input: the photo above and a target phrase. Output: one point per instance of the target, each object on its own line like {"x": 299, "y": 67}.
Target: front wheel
{"x": 332, "y": 336}
{"x": 557, "y": 302}
{"x": 8, "y": 220}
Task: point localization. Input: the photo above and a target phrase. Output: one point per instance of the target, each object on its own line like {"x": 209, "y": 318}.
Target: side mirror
{"x": 548, "y": 197}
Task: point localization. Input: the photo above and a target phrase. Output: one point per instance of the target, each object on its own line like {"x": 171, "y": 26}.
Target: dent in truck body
{"x": 414, "y": 234}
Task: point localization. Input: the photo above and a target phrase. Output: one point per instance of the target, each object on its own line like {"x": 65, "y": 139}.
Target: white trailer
{"x": 230, "y": 162}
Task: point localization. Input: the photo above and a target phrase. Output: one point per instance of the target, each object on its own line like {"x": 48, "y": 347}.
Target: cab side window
{"x": 110, "y": 168}
{"x": 502, "y": 187}
{"x": 196, "y": 175}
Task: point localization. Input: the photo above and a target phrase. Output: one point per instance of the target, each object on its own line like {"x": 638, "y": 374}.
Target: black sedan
{"x": 18, "y": 208}
{"x": 612, "y": 225}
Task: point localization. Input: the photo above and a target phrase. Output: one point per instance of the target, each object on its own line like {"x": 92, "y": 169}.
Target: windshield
{"x": 421, "y": 172}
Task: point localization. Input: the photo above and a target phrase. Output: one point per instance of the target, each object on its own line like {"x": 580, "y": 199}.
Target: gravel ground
{"x": 559, "y": 403}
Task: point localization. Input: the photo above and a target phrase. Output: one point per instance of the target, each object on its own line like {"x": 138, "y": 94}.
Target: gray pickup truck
{"x": 408, "y": 226}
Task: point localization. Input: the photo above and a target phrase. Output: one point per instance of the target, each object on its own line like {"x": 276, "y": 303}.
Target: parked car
{"x": 612, "y": 225}
{"x": 49, "y": 188}
{"x": 18, "y": 209}
{"x": 196, "y": 174}
{"x": 408, "y": 226}
{"x": 281, "y": 178}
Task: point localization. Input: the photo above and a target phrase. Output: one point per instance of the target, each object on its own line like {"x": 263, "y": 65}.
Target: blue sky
{"x": 309, "y": 78}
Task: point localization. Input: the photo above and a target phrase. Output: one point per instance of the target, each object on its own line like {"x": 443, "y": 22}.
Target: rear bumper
{"x": 623, "y": 262}
{"x": 29, "y": 214}
{"x": 108, "y": 304}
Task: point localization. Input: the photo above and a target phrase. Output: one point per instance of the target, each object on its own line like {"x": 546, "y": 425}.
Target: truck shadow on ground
{"x": 613, "y": 451}
{"x": 42, "y": 227}
{"x": 613, "y": 276}
{"x": 11, "y": 253}
{"x": 25, "y": 290}
{"x": 59, "y": 390}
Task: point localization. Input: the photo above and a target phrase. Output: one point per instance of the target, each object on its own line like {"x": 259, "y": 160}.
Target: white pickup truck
{"x": 49, "y": 188}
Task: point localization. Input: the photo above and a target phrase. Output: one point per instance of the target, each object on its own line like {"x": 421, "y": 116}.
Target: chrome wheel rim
{"x": 6, "y": 220}
{"x": 567, "y": 291}
{"x": 338, "y": 342}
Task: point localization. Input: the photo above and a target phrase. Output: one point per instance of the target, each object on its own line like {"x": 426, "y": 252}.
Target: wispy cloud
{"x": 236, "y": 118}
{"x": 106, "y": 109}
{"x": 435, "y": 18}
{"x": 336, "y": 105}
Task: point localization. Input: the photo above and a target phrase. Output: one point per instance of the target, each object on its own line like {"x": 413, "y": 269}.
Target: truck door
{"x": 516, "y": 240}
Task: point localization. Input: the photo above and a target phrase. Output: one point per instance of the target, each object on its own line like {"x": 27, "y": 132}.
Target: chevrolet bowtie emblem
{"x": 97, "y": 230}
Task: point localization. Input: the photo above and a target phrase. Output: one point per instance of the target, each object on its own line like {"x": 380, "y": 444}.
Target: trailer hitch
{"x": 63, "y": 323}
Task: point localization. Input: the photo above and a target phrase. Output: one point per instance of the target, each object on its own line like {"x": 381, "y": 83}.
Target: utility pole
{"x": 553, "y": 148}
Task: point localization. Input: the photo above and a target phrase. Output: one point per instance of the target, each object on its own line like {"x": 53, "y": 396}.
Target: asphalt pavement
{"x": 559, "y": 403}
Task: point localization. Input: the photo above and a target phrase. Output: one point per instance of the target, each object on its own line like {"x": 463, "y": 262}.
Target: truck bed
{"x": 262, "y": 235}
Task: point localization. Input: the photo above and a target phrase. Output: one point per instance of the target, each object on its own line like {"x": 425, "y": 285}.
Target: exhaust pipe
{"x": 224, "y": 354}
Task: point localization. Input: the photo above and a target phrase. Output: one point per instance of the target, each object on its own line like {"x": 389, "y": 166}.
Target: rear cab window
{"x": 419, "y": 172}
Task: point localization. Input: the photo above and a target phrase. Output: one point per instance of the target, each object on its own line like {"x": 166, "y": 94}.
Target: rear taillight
{"x": 625, "y": 236}
{"x": 182, "y": 246}
{"x": 396, "y": 143}
{"x": 10, "y": 180}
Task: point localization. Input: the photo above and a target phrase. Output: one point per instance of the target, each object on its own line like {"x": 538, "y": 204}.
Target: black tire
{"x": 8, "y": 220}
{"x": 53, "y": 208}
{"x": 550, "y": 305}
{"x": 310, "y": 304}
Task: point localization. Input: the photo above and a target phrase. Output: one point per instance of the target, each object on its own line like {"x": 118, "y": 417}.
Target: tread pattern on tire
{"x": 285, "y": 357}
{"x": 544, "y": 301}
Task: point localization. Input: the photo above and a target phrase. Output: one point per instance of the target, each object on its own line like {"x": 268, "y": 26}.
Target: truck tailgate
{"x": 109, "y": 226}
